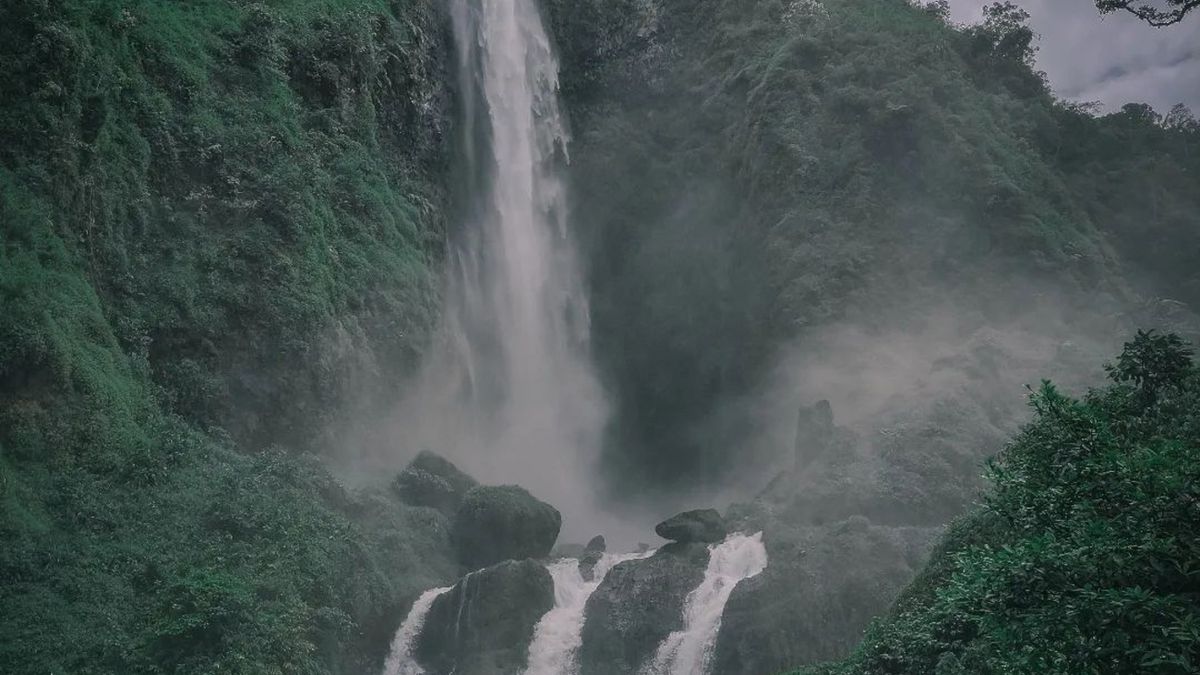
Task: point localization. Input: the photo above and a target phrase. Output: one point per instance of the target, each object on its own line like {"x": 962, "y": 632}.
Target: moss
{"x": 209, "y": 213}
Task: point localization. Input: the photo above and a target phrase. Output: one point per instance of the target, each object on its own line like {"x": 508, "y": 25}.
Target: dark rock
{"x": 639, "y": 603}
{"x": 587, "y": 565}
{"x": 591, "y": 555}
{"x": 432, "y": 480}
{"x": 483, "y": 626}
{"x": 503, "y": 523}
{"x": 705, "y": 526}
{"x": 822, "y": 589}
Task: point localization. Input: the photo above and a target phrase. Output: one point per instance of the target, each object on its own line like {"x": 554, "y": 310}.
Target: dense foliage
{"x": 747, "y": 171}
{"x": 1083, "y": 559}
{"x": 209, "y": 213}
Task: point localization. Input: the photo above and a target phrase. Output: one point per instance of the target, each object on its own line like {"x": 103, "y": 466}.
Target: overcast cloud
{"x": 1113, "y": 59}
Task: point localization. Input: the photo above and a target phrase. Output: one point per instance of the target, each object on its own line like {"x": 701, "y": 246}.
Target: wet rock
{"x": 494, "y": 524}
{"x": 639, "y": 603}
{"x": 591, "y": 555}
{"x": 823, "y": 587}
{"x": 705, "y": 526}
{"x": 432, "y": 480}
{"x": 484, "y": 625}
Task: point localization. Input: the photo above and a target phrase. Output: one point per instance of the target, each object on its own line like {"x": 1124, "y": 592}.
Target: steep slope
{"x": 749, "y": 173}
{"x": 220, "y": 227}
{"x": 1083, "y": 556}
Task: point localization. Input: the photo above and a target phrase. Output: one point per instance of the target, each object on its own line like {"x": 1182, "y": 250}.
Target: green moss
{"x": 211, "y": 214}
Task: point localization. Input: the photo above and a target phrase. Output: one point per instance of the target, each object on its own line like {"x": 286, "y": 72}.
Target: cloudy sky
{"x": 1114, "y": 59}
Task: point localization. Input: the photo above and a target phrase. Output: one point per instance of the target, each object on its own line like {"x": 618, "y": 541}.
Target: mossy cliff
{"x": 220, "y": 231}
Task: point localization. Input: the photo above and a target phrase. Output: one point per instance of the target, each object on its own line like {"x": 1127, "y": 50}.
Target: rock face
{"x": 483, "y": 626}
{"x": 824, "y": 586}
{"x": 705, "y": 526}
{"x": 494, "y": 524}
{"x": 432, "y": 480}
{"x": 597, "y": 545}
{"x": 639, "y": 603}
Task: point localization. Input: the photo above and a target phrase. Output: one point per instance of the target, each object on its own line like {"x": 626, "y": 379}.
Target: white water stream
{"x": 689, "y": 651}
{"x": 401, "y": 660}
{"x": 558, "y": 636}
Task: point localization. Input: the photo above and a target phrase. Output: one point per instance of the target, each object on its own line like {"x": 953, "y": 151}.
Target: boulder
{"x": 483, "y": 626}
{"x": 591, "y": 556}
{"x": 705, "y": 526}
{"x": 494, "y": 524}
{"x": 639, "y": 603}
{"x": 432, "y": 480}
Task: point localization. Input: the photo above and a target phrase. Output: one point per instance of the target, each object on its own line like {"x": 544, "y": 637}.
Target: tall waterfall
{"x": 401, "y": 660}
{"x": 558, "y": 636}
{"x": 689, "y": 651}
{"x": 510, "y": 391}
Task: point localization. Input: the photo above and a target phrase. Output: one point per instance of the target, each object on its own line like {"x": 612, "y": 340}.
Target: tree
{"x": 1173, "y": 13}
{"x": 1007, "y": 26}
{"x": 1180, "y": 119}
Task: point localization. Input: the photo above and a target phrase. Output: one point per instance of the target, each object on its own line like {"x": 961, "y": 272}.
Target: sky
{"x": 1113, "y": 59}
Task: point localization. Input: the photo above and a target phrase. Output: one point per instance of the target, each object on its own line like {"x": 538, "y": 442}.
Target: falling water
{"x": 401, "y": 661}
{"x": 689, "y": 651}
{"x": 510, "y": 392}
{"x": 559, "y": 634}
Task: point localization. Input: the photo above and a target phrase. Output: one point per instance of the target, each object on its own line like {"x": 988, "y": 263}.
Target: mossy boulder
{"x": 434, "y": 481}
{"x": 638, "y": 604}
{"x": 494, "y": 524}
{"x": 483, "y": 626}
{"x": 705, "y": 526}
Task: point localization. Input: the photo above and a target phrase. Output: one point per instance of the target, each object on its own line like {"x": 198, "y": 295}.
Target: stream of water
{"x": 689, "y": 651}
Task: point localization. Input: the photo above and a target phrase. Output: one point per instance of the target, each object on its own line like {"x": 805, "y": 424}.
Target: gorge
{"x": 331, "y": 330}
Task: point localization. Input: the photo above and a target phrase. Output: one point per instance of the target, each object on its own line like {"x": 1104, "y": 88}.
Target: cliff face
{"x": 252, "y": 193}
{"x": 750, "y": 173}
{"x": 220, "y": 231}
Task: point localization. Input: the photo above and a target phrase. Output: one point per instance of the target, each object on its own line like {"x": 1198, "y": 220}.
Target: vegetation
{"x": 209, "y": 212}
{"x": 221, "y": 230}
{"x": 1151, "y": 14}
{"x": 1083, "y": 558}
{"x": 750, "y": 172}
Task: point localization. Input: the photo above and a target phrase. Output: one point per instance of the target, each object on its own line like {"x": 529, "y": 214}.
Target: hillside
{"x": 1082, "y": 557}
{"x": 749, "y": 174}
{"x": 227, "y": 234}
{"x": 220, "y": 234}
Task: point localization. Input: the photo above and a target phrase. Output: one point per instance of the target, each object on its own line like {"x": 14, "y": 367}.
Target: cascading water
{"x": 688, "y": 652}
{"x": 510, "y": 392}
{"x": 559, "y": 634}
{"x": 401, "y": 661}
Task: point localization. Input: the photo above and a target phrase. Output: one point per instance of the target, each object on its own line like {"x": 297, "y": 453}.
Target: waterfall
{"x": 689, "y": 651}
{"x": 401, "y": 661}
{"x": 559, "y": 634}
{"x": 509, "y": 390}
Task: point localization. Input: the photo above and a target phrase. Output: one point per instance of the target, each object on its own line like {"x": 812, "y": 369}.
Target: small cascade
{"x": 689, "y": 651}
{"x": 559, "y": 634}
{"x": 401, "y": 661}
